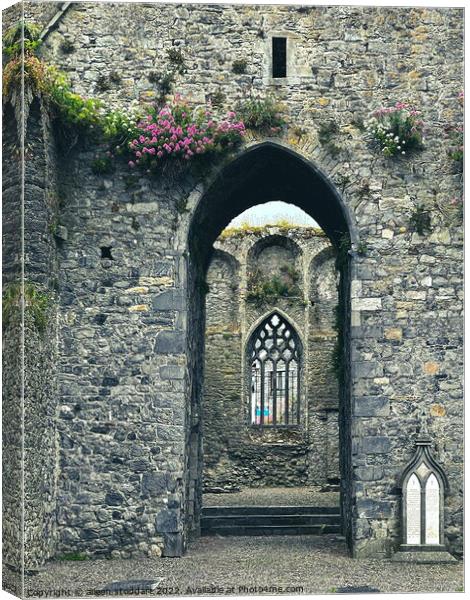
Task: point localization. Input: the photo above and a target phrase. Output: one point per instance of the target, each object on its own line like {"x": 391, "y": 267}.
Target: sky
{"x": 270, "y": 212}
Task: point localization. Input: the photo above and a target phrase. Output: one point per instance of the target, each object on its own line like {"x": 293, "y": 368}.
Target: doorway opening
{"x": 269, "y": 332}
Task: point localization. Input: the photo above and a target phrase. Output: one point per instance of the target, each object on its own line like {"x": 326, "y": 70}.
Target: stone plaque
{"x": 432, "y": 510}
{"x": 413, "y": 511}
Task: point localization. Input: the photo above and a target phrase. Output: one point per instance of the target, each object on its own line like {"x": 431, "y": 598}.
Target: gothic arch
{"x": 260, "y": 173}
{"x": 274, "y": 353}
{"x": 265, "y": 316}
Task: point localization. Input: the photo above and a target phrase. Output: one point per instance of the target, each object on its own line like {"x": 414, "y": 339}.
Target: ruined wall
{"x": 237, "y": 454}
{"x": 126, "y": 367}
{"x": 41, "y": 275}
{"x": 12, "y": 389}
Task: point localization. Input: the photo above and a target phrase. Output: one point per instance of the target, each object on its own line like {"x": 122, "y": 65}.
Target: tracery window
{"x": 275, "y": 373}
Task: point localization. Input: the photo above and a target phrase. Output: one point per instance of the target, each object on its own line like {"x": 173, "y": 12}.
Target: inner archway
{"x": 263, "y": 173}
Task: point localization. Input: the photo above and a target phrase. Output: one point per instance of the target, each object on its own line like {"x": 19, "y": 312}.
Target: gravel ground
{"x": 275, "y": 496}
{"x": 249, "y": 565}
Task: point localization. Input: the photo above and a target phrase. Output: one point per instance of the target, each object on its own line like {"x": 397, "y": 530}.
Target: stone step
{"x": 270, "y": 510}
{"x": 270, "y": 520}
{"x": 272, "y": 530}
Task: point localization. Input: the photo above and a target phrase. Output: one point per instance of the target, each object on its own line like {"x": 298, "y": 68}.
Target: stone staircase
{"x": 270, "y": 520}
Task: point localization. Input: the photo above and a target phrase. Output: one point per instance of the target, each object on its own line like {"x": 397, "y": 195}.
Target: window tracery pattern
{"x": 275, "y": 373}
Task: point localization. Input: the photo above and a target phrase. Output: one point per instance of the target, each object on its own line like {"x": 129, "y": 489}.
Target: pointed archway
{"x": 264, "y": 172}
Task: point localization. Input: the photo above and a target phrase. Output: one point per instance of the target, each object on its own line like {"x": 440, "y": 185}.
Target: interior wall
{"x": 236, "y": 453}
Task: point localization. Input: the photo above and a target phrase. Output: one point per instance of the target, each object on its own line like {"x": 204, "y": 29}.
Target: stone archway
{"x": 263, "y": 172}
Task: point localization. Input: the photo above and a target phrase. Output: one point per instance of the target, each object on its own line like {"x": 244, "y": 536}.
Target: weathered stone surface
{"x": 408, "y": 281}
{"x": 169, "y": 342}
{"x": 372, "y": 406}
{"x": 236, "y": 454}
{"x": 167, "y": 521}
{"x": 375, "y": 444}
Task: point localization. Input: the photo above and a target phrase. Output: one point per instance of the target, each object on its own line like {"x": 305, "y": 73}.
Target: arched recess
{"x": 222, "y": 294}
{"x": 262, "y": 173}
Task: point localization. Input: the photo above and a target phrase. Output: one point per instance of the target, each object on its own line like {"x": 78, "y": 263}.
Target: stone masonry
{"x": 117, "y": 423}
{"x": 236, "y": 454}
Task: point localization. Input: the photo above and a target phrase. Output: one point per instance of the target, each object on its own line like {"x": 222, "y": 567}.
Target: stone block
{"x": 170, "y": 300}
{"x": 172, "y": 372}
{"x": 366, "y": 303}
{"x": 431, "y": 368}
{"x": 367, "y": 508}
{"x": 368, "y": 473}
{"x": 154, "y": 484}
{"x": 114, "y": 498}
{"x": 394, "y": 333}
{"x": 167, "y": 521}
{"x": 170, "y": 342}
{"x": 372, "y": 406}
{"x": 173, "y": 544}
{"x": 367, "y": 368}
{"x": 375, "y": 444}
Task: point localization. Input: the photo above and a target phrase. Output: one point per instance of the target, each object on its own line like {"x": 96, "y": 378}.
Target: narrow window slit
{"x": 279, "y": 57}
{"x": 106, "y": 252}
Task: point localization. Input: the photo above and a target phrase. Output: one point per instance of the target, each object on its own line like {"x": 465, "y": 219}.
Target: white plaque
{"x": 432, "y": 510}
{"x": 413, "y": 511}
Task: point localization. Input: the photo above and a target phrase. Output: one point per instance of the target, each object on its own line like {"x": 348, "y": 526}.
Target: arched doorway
{"x": 262, "y": 173}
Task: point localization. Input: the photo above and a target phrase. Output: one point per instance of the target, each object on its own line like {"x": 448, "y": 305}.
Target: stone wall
{"x": 41, "y": 274}
{"x": 12, "y": 389}
{"x": 131, "y": 326}
{"x": 236, "y": 454}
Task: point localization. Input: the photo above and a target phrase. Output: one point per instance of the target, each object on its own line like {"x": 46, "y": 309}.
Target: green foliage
{"x": 103, "y": 166}
{"x": 115, "y": 78}
{"x": 176, "y": 58}
{"x": 327, "y": 131}
{"x": 337, "y": 355}
{"x": 22, "y": 36}
{"x": 36, "y": 303}
{"x": 342, "y": 181}
{"x": 74, "y": 556}
{"x": 247, "y": 228}
{"x": 420, "y": 220}
{"x": 239, "y": 66}
{"x": 455, "y": 150}
{"x": 262, "y": 114}
{"x": 299, "y": 131}
{"x": 217, "y": 98}
{"x": 164, "y": 82}
{"x": 326, "y": 136}
{"x": 342, "y": 251}
{"x": 358, "y": 123}
{"x": 67, "y": 46}
{"x": 263, "y": 289}
{"x": 397, "y": 130}
{"x": 77, "y": 115}
{"x": 362, "y": 248}
{"x": 102, "y": 83}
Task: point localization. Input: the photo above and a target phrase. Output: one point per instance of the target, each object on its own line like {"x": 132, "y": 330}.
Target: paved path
{"x": 244, "y": 565}
{"x": 274, "y": 496}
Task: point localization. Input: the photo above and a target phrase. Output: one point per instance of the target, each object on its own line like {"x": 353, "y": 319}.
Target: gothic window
{"x": 275, "y": 373}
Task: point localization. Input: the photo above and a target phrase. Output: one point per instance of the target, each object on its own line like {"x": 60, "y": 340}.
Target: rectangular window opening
{"x": 279, "y": 57}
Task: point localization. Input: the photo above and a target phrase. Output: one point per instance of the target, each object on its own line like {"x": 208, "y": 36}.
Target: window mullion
{"x": 262, "y": 394}
{"x": 274, "y": 392}
{"x": 286, "y": 383}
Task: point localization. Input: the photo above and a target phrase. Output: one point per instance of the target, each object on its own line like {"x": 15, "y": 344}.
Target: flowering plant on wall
{"x": 397, "y": 130}
{"x": 178, "y": 132}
